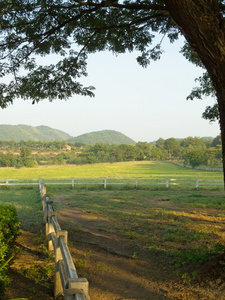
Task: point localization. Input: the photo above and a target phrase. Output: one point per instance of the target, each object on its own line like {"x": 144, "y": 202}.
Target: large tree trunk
{"x": 202, "y": 25}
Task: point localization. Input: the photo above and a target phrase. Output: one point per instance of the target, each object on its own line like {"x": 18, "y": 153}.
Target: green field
{"x": 183, "y": 227}
{"x": 110, "y": 170}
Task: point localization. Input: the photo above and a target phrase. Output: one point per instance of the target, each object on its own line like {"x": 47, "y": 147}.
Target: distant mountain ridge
{"x": 47, "y": 134}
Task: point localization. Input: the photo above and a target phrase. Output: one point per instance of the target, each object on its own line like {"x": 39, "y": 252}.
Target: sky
{"x": 142, "y": 103}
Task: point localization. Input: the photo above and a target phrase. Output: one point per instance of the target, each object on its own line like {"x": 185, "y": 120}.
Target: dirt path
{"x": 117, "y": 269}
{"x": 114, "y": 266}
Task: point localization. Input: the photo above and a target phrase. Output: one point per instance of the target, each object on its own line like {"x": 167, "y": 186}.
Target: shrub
{"x": 9, "y": 230}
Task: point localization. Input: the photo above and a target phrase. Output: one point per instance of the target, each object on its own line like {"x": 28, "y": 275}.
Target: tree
{"x": 156, "y": 153}
{"x": 25, "y": 154}
{"x": 42, "y": 27}
{"x": 143, "y": 150}
{"x": 216, "y": 141}
{"x": 195, "y": 156}
{"x": 172, "y": 146}
{"x": 160, "y": 143}
{"x": 192, "y": 141}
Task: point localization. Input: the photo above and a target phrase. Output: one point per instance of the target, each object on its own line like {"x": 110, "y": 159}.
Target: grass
{"x": 110, "y": 170}
{"x": 187, "y": 226}
{"x": 28, "y": 205}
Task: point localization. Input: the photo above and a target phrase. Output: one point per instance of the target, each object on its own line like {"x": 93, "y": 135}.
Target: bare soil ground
{"x": 115, "y": 268}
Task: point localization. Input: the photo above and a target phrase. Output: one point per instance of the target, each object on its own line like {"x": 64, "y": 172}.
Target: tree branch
{"x": 131, "y": 6}
{"x": 134, "y": 22}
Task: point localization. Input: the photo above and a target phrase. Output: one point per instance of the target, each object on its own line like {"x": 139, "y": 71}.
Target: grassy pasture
{"x": 187, "y": 226}
{"x": 184, "y": 227}
{"x": 113, "y": 170}
{"x": 28, "y": 205}
{"x": 188, "y": 221}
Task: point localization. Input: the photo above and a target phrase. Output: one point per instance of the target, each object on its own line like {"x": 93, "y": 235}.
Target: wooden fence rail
{"x": 66, "y": 278}
{"x": 117, "y": 181}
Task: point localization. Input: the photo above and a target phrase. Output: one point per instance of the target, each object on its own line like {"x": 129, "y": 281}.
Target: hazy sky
{"x": 144, "y": 104}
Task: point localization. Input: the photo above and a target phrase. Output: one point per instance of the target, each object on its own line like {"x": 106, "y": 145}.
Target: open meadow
{"x": 145, "y": 169}
{"x": 145, "y": 243}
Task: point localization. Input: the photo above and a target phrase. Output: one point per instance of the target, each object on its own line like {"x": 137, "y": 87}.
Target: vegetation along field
{"x": 189, "y": 151}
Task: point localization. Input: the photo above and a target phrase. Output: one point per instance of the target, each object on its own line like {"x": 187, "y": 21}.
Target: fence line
{"x": 116, "y": 181}
{"x": 66, "y": 278}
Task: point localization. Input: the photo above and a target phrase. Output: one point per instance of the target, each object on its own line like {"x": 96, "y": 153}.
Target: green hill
{"x": 26, "y": 133}
{"x": 110, "y": 137}
{"x": 47, "y": 134}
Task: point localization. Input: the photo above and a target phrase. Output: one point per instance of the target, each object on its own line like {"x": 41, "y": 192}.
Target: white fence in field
{"x": 66, "y": 278}
{"x": 105, "y": 182}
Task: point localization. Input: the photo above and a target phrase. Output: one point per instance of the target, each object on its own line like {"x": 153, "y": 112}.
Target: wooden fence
{"x": 66, "y": 278}
{"x": 136, "y": 182}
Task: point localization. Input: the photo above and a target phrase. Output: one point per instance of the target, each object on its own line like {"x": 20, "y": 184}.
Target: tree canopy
{"x": 72, "y": 29}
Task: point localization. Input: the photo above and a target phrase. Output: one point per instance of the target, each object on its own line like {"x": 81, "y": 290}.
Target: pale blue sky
{"x": 144, "y": 104}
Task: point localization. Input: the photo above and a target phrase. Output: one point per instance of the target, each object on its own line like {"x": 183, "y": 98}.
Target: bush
{"x": 9, "y": 231}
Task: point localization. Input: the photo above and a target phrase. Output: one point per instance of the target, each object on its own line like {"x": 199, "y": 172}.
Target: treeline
{"x": 12, "y": 146}
{"x": 192, "y": 151}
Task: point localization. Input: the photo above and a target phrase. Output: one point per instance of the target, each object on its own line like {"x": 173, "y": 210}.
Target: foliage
{"x": 31, "y": 29}
{"x": 42, "y": 28}
{"x": 9, "y": 230}
{"x": 41, "y": 273}
{"x": 34, "y": 153}
{"x": 26, "y": 200}
{"x": 195, "y": 157}
{"x": 172, "y": 146}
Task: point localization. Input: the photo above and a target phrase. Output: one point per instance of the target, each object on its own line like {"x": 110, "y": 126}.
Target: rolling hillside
{"x": 44, "y": 133}
{"x": 110, "y": 137}
{"x": 26, "y": 133}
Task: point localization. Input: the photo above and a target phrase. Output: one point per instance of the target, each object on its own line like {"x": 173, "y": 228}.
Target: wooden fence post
{"x": 197, "y": 183}
{"x": 136, "y": 182}
{"x": 104, "y": 183}
{"x": 79, "y": 286}
{"x": 45, "y": 208}
{"x": 167, "y": 182}
{"x": 49, "y": 230}
{"x": 72, "y": 182}
{"x": 58, "y": 288}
